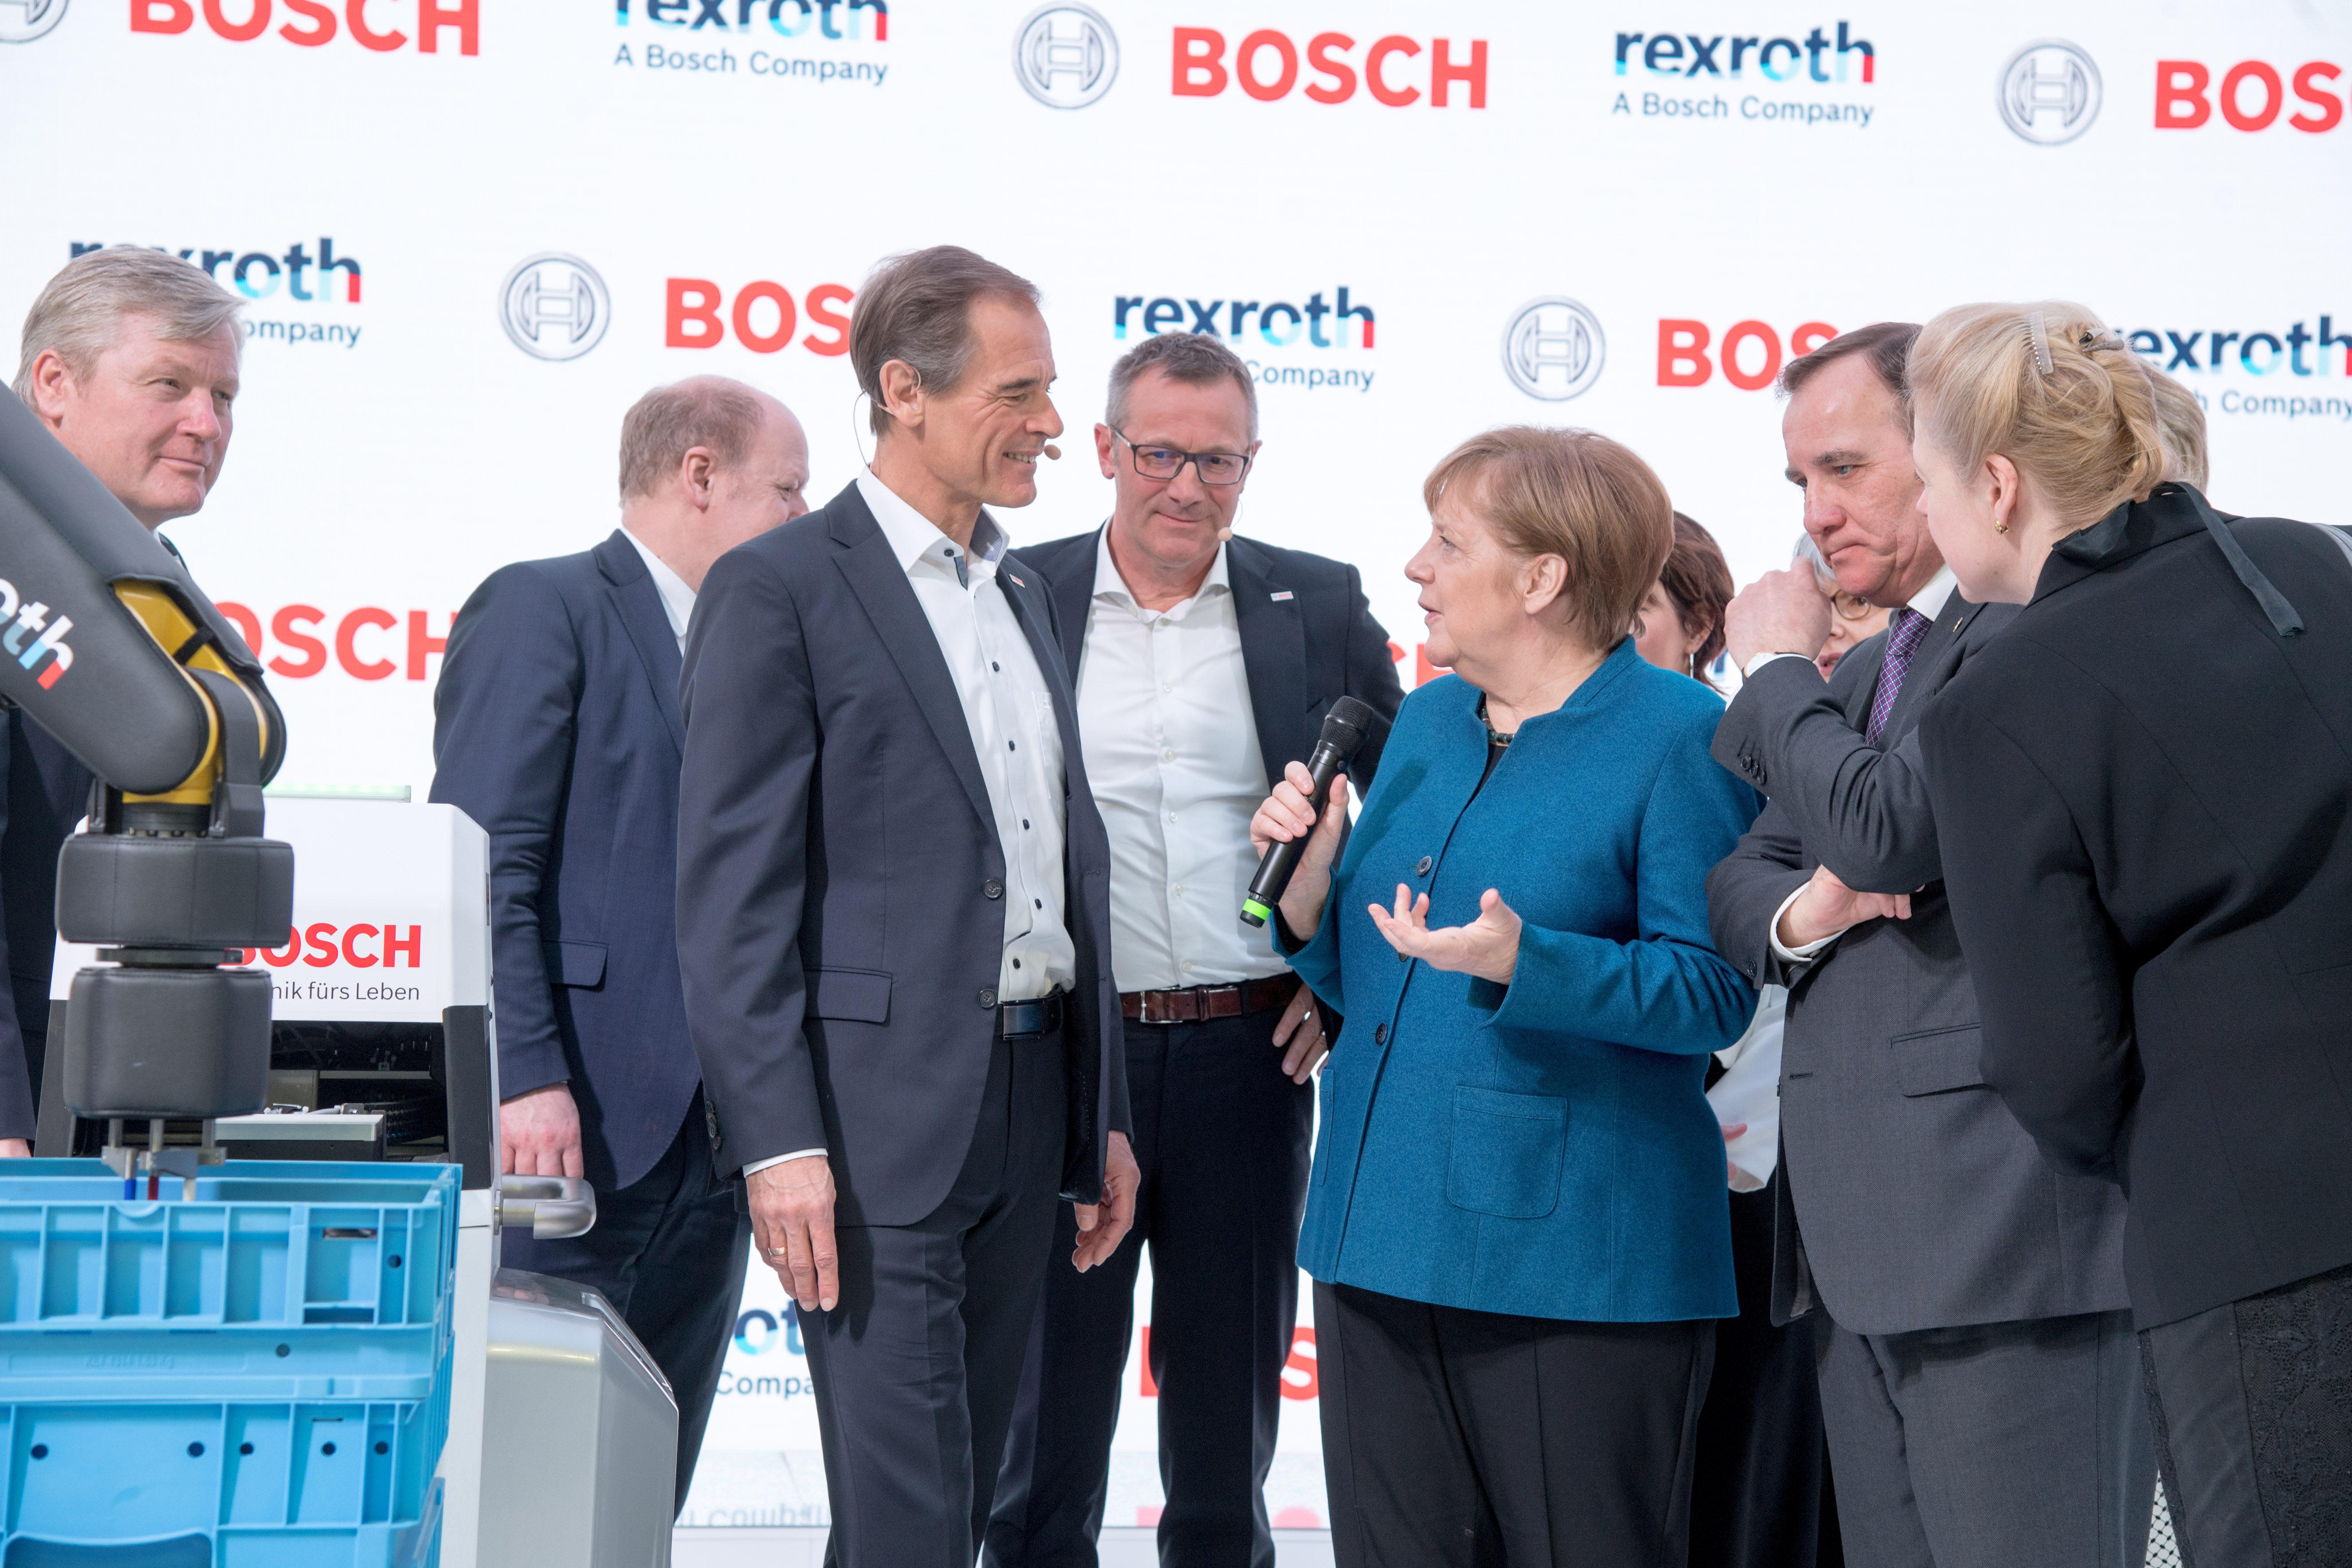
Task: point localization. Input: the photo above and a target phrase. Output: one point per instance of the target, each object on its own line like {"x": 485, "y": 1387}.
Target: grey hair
{"x": 1810, "y": 555}
{"x": 918, "y": 307}
{"x": 665, "y": 424}
{"x": 1192, "y": 359}
{"x": 80, "y": 311}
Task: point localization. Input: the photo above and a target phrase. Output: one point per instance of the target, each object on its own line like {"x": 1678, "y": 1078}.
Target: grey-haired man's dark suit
{"x": 1979, "y": 1380}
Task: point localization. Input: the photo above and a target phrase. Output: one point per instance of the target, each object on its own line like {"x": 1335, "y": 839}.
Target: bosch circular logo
{"x": 555, "y": 306}
{"x": 1066, "y": 56}
{"x": 2050, "y": 92}
{"x": 22, "y": 21}
{"x": 1552, "y": 349}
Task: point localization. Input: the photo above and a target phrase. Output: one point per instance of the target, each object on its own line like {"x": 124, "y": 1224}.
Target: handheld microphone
{"x": 1345, "y": 729}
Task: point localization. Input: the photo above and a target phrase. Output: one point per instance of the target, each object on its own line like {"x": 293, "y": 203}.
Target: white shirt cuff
{"x": 1747, "y": 672}
{"x": 1811, "y": 950}
{"x": 758, "y": 1165}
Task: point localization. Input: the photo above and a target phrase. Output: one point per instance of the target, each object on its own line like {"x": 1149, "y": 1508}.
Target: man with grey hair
{"x": 130, "y": 357}
{"x": 557, "y": 728}
{"x": 1203, "y": 665}
{"x": 893, "y": 915}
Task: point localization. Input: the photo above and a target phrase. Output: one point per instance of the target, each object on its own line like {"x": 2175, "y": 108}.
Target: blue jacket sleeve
{"x": 504, "y": 718}
{"x": 1667, "y": 989}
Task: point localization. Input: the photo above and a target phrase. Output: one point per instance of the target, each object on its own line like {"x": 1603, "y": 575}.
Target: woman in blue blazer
{"x": 1518, "y": 1222}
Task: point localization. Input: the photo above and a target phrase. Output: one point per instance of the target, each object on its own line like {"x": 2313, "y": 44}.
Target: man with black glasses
{"x": 1203, "y": 664}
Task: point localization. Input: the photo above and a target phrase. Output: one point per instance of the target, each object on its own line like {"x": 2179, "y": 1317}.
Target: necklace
{"x": 1494, "y": 737}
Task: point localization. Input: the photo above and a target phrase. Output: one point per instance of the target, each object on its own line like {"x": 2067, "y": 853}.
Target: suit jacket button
{"x": 993, "y": 888}
{"x": 1380, "y": 1034}
{"x": 1421, "y": 868}
{"x": 988, "y": 998}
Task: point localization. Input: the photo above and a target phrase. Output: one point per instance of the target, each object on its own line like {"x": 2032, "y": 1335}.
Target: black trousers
{"x": 1759, "y": 1492}
{"x": 1222, "y": 1139}
{"x": 1463, "y": 1439}
{"x": 2251, "y": 1403}
{"x": 667, "y": 1250}
{"x": 917, "y": 1365}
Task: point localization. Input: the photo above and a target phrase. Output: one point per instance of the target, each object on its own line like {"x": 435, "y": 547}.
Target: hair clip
{"x": 2041, "y": 340}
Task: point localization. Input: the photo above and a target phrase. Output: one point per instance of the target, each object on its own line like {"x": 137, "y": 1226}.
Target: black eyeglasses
{"x": 1167, "y": 462}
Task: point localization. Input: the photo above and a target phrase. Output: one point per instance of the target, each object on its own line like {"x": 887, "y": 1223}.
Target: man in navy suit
{"x": 893, "y": 915}
{"x": 1203, "y": 664}
{"x": 558, "y": 730}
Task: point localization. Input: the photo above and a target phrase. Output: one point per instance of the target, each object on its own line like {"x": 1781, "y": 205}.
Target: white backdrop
{"x": 1607, "y": 201}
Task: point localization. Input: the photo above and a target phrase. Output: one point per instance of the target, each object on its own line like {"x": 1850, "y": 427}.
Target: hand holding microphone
{"x": 1290, "y": 835}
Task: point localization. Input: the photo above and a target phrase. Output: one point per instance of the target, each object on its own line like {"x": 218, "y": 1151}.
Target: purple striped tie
{"x": 1906, "y": 630}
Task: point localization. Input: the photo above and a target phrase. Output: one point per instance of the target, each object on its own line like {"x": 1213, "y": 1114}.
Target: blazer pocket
{"x": 578, "y": 964}
{"x": 1935, "y": 1061}
{"x": 861, "y": 995}
{"x": 1507, "y": 1149}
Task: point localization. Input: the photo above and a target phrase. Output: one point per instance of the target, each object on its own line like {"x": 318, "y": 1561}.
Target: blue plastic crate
{"x": 257, "y": 1377}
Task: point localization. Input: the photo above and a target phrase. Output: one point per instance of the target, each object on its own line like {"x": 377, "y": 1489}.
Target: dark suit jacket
{"x": 557, "y": 728}
{"x": 48, "y": 791}
{"x": 2145, "y": 800}
{"x": 1301, "y": 651}
{"x": 839, "y": 874}
{"x": 1920, "y": 1200}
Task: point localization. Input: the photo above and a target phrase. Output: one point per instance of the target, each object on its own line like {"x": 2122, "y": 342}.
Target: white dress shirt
{"x": 1750, "y": 1092}
{"x": 1171, "y": 753}
{"x": 1009, "y": 711}
{"x": 677, "y": 598}
{"x": 1929, "y": 601}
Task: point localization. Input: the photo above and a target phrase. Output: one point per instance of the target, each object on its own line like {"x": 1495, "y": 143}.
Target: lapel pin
{"x": 1016, "y": 580}
{"x": 1281, "y": 597}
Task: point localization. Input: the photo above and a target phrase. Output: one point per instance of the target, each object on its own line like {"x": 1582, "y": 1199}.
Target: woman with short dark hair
{"x": 1680, "y": 624}
{"x": 1516, "y": 1220}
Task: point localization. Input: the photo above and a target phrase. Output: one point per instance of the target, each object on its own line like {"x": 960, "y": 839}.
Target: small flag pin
{"x": 1279, "y": 597}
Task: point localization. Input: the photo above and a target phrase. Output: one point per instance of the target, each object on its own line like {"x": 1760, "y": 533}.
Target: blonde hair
{"x": 2183, "y": 421}
{"x": 2052, "y": 389}
{"x": 1575, "y": 494}
{"x": 80, "y": 311}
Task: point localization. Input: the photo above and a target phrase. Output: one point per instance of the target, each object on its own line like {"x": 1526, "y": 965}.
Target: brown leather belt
{"x": 1196, "y": 1003}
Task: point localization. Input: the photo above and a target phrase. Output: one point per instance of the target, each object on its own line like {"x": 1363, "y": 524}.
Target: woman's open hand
{"x": 1488, "y": 947}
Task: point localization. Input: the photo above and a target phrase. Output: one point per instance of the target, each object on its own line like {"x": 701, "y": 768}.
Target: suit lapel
{"x": 1024, "y": 590}
{"x": 1871, "y": 653}
{"x": 1273, "y": 655}
{"x": 639, "y": 603}
{"x": 880, "y": 583}
{"x": 1074, "y": 597}
{"x": 1939, "y": 657}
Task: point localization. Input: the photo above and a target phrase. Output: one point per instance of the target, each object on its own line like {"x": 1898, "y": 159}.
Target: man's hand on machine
{"x": 791, "y": 1221}
{"x": 15, "y": 1148}
{"x": 539, "y": 1133}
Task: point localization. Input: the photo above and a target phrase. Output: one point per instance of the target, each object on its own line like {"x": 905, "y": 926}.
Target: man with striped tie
{"x": 1980, "y": 1382}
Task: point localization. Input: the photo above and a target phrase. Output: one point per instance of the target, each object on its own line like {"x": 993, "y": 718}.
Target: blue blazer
{"x": 556, "y": 726}
{"x": 1544, "y": 1149}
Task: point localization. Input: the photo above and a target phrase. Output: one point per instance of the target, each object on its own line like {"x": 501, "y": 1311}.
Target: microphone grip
{"x": 1273, "y": 868}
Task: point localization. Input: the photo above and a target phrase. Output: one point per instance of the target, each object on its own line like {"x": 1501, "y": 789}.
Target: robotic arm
{"x": 110, "y": 646}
